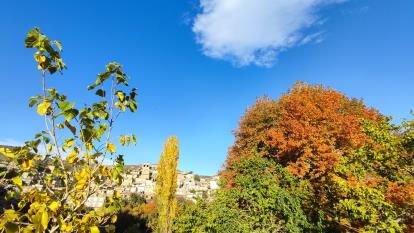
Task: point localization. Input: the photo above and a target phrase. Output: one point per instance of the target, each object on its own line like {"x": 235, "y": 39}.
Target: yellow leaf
{"x": 82, "y": 179}
{"x": 27, "y": 164}
{"x": 120, "y": 95}
{"x": 111, "y": 148}
{"x": 100, "y": 212}
{"x": 94, "y": 229}
{"x": 42, "y": 59}
{"x": 36, "y": 57}
{"x": 68, "y": 227}
{"x": 43, "y": 107}
{"x": 114, "y": 218}
{"x": 18, "y": 182}
{"x": 122, "y": 140}
{"x": 69, "y": 142}
{"x": 88, "y": 146}
{"x": 54, "y": 206}
{"x": 45, "y": 219}
{"x": 49, "y": 148}
{"x": 127, "y": 139}
{"x": 73, "y": 156}
{"x": 10, "y": 215}
{"x": 104, "y": 171}
{"x": 85, "y": 218}
{"x": 87, "y": 156}
{"x": 8, "y": 153}
{"x": 120, "y": 106}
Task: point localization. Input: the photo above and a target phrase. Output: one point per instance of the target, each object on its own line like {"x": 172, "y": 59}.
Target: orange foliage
{"x": 401, "y": 194}
{"x": 149, "y": 208}
{"x": 308, "y": 130}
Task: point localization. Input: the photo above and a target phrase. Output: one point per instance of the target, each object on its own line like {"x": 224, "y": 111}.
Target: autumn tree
{"x": 166, "y": 185}
{"x": 76, "y": 142}
{"x": 350, "y": 155}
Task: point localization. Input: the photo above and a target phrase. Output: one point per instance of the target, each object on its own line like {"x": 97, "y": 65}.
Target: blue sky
{"x": 199, "y": 65}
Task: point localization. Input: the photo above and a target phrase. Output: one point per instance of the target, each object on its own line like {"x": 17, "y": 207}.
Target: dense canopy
{"x": 348, "y": 168}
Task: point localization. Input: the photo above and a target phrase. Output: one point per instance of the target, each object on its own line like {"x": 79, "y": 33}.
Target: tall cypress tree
{"x": 167, "y": 185}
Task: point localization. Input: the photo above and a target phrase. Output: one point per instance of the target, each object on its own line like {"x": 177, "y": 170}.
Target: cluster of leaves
{"x": 358, "y": 165}
{"x": 266, "y": 198}
{"x": 76, "y": 143}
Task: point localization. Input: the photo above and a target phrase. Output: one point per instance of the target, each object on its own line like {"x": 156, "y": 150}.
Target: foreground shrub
{"x": 76, "y": 144}
{"x": 265, "y": 199}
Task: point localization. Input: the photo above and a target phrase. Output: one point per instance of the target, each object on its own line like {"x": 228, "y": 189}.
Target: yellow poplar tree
{"x": 167, "y": 185}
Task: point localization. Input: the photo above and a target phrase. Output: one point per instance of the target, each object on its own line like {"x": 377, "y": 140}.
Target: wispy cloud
{"x": 248, "y": 32}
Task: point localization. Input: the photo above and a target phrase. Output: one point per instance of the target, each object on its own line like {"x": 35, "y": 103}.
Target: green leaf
{"x": 65, "y": 106}
{"x": 58, "y": 45}
{"x": 86, "y": 135}
{"x": 43, "y": 107}
{"x": 11, "y": 227}
{"x": 117, "y": 169}
{"x": 33, "y": 100}
{"x": 133, "y": 107}
{"x": 53, "y": 93}
{"x": 134, "y": 139}
{"x": 90, "y": 87}
{"x": 32, "y": 38}
{"x": 70, "y": 114}
{"x": 11, "y": 194}
{"x": 100, "y": 92}
{"x": 70, "y": 127}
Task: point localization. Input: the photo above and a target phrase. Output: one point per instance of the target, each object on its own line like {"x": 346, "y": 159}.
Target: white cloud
{"x": 255, "y": 31}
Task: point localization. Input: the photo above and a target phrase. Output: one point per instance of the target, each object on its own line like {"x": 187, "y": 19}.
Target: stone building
{"x": 141, "y": 179}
